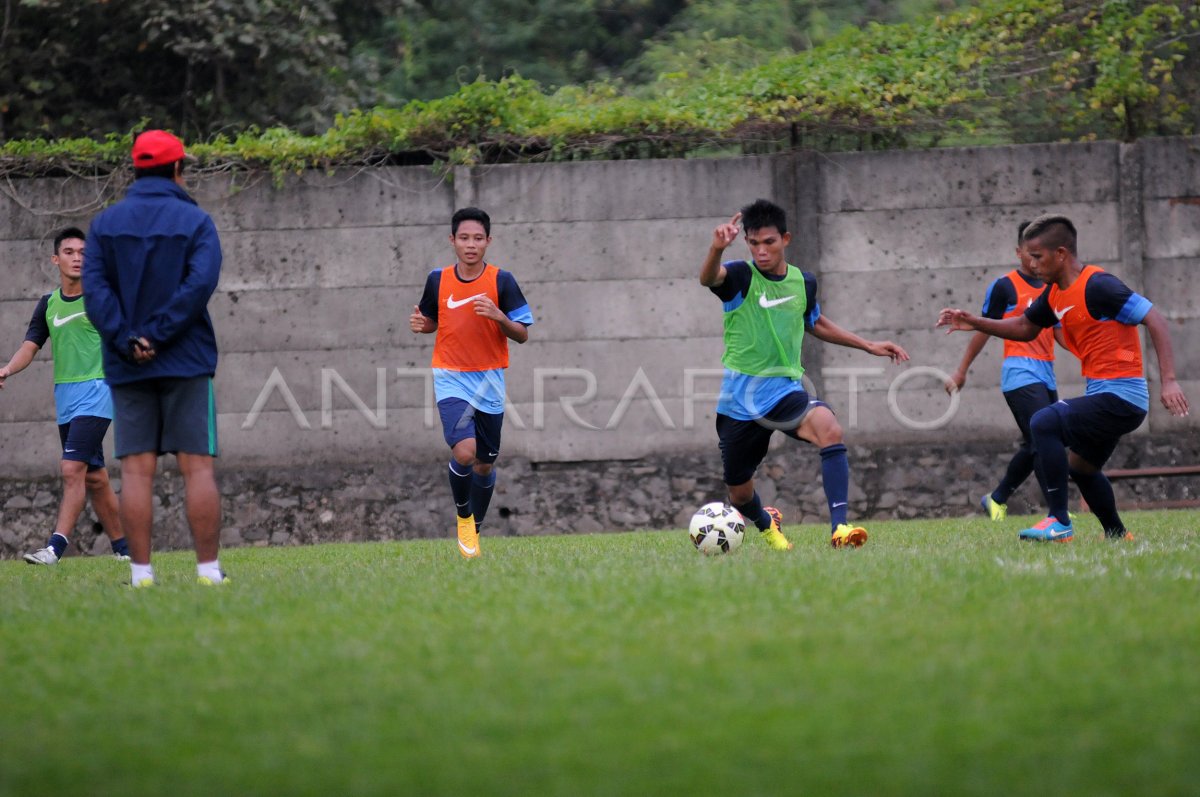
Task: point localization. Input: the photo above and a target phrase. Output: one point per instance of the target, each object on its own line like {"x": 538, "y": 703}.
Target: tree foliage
{"x": 1001, "y": 70}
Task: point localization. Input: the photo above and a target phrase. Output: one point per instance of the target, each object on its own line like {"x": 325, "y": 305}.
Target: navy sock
{"x": 1097, "y": 491}
{"x": 460, "y": 488}
{"x": 58, "y": 543}
{"x": 481, "y": 495}
{"x": 120, "y": 547}
{"x": 1047, "y": 432}
{"x": 754, "y": 513}
{"x": 1019, "y": 468}
{"x": 835, "y": 475}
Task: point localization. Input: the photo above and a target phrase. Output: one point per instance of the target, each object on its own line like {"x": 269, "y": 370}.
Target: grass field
{"x": 944, "y": 658}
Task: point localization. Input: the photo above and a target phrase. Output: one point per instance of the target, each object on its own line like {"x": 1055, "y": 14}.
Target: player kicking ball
{"x": 476, "y": 309}
{"x": 1100, "y": 316}
{"x": 769, "y": 307}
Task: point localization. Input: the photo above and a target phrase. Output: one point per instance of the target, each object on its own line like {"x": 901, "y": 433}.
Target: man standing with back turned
{"x": 151, "y": 263}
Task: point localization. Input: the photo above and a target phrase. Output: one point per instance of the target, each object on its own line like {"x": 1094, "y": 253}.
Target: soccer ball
{"x": 717, "y": 528}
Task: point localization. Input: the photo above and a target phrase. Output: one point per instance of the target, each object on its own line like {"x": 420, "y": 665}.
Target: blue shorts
{"x": 744, "y": 443}
{"x": 83, "y": 440}
{"x": 461, "y": 421}
{"x": 167, "y": 415}
{"x": 1095, "y": 424}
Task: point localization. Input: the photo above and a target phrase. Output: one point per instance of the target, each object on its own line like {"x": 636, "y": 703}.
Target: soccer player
{"x": 1100, "y": 317}
{"x": 1026, "y": 375}
{"x": 152, "y": 262}
{"x": 769, "y": 306}
{"x": 475, "y": 308}
{"x": 81, "y": 398}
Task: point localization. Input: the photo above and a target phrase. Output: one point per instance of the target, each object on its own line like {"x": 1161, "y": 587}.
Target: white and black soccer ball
{"x": 717, "y": 528}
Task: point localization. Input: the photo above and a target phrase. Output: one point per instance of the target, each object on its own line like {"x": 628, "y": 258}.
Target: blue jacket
{"x": 151, "y": 263}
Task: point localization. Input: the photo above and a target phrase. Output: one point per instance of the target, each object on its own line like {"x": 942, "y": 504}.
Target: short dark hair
{"x": 471, "y": 214}
{"x": 1021, "y": 232}
{"x": 64, "y": 234}
{"x": 166, "y": 170}
{"x": 1054, "y": 231}
{"x": 763, "y": 213}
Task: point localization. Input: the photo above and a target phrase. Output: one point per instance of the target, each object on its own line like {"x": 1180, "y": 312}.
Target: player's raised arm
{"x": 1015, "y": 328}
{"x": 826, "y": 330}
{"x": 1172, "y": 396}
{"x": 712, "y": 273}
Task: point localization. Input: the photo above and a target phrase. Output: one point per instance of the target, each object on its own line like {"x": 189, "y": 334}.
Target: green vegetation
{"x": 943, "y": 658}
{"x": 1005, "y": 70}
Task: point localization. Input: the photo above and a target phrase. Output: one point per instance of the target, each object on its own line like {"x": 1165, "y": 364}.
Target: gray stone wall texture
{"x": 321, "y": 383}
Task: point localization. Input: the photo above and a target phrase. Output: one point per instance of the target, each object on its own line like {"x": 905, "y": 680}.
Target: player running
{"x": 1026, "y": 375}
{"x": 475, "y": 308}
{"x": 769, "y": 306}
{"x": 81, "y": 398}
{"x": 1100, "y": 317}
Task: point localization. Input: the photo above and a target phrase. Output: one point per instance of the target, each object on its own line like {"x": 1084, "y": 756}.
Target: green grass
{"x": 943, "y": 658}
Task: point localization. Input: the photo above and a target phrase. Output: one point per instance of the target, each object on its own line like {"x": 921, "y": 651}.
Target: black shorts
{"x": 165, "y": 415}
{"x": 744, "y": 443}
{"x": 1095, "y": 424}
{"x": 1026, "y": 401}
{"x": 460, "y": 420}
{"x": 83, "y": 440}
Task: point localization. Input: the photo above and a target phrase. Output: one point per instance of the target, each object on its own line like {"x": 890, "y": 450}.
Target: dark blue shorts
{"x": 1095, "y": 424}
{"x": 83, "y": 440}
{"x": 1027, "y": 401}
{"x": 744, "y": 443}
{"x": 167, "y": 415}
{"x": 460, "y": 421}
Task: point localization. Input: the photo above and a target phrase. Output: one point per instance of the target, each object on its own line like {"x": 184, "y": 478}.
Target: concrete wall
{"x": 321, "y": 273}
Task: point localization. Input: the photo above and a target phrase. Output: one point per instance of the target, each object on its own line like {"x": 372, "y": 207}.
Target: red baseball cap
{"x": 156, "y": 148}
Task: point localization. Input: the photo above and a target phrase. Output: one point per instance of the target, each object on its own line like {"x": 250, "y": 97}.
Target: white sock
{"x": 210, "y": 570}
{"x": 140, "y": 573}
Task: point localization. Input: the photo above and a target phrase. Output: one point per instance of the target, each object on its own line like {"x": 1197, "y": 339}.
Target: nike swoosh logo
{"x": 58, "y": 322}
{"x": 1056, "y": 534}
{"x": 467, "y": 549}
{"x": 763, "y": 301}
{"x": 450, "y": 303}
{"x": 839, "y": 503}
{"x": 1060, "y": 313}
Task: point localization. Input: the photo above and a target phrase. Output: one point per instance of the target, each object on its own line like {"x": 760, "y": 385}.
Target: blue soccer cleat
{"x": 1049, "y": 530}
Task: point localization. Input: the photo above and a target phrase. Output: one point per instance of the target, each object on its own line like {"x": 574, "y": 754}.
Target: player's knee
{"x": 96, "y": 480}
{"x": 464, "y": 453}
{"x": 483, "y": 468}
{"x": 73, "y": 472}
{"x": 1045, "y": 422}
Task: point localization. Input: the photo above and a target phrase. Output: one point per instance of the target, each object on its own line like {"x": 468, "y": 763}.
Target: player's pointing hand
{"x": 725, "y": 234}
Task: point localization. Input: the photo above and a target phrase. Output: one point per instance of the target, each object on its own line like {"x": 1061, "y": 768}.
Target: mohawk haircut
{"x": 1021, "y": 232}
{"x": 763, "y": 213}
{"x": 1053, "y": 231}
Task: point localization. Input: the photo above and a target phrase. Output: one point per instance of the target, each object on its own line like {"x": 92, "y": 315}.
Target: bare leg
{"x": 104, "y": 501}
{"x": 137, "y": 508}
{"x": 74, "y": 496}
{"x": 203, "y": 504}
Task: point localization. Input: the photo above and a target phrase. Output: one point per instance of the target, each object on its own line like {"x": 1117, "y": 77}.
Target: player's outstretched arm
{"x": 830, "y": 332}
{"x": 420, "y": 323}
{"x": 1015, "y": 328}
{"x": 959, "y": 378}
{"x": 20, "y": 360}
{"x": 712, "y": 273}
{"x": 1172, "y": 394}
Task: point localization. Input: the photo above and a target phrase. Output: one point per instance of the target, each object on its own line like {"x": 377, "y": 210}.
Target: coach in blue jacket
{"x": 151, "y": 263}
